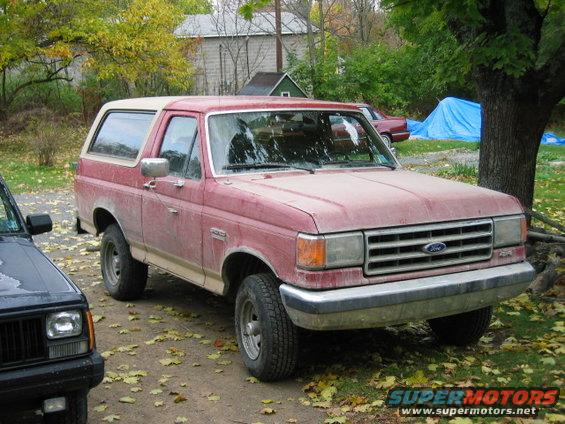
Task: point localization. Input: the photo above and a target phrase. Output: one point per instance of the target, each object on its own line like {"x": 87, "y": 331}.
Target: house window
{"x": 285, "y": 93}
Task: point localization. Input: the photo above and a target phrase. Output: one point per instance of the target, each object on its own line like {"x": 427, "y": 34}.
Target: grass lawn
{"x": 19, "y": 168}
{"x": 523, "y": 348}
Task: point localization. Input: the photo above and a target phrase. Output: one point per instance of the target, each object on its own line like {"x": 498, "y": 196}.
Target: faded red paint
{"x": 262, "y": 213}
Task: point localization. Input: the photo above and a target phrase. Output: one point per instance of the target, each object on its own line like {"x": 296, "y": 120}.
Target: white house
{"x": 232, "y": 49}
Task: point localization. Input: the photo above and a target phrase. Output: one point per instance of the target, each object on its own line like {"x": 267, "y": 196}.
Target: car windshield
{"x": 303, "y": 139}
{"x": 9, "y": 220}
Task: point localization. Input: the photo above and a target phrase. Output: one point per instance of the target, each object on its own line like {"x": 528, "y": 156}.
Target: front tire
{"x": 267, "y": 338}
{"x": 462, "y": 329}
{"x": 124, "y": 277}
{"x": 76, "y": 412}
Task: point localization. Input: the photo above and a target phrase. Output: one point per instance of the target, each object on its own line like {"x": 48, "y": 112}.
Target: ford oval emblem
{"x": 434, "y": 247}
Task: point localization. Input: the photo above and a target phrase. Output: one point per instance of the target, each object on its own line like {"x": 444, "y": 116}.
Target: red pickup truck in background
{"x": 297, "y": 210}
{"x": 391, "y": 128}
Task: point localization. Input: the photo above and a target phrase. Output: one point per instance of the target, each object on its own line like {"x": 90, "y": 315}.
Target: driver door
{"x": 172, "y": 206}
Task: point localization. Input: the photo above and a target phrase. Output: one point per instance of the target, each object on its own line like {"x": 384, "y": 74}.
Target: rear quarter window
{"x": 121, "y": 134}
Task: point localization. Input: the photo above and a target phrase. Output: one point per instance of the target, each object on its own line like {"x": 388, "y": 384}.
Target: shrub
{"x": 44, "y": 135}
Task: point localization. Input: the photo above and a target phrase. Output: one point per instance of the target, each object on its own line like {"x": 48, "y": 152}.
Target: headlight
{"x": 64, "y": 324}
{"x": 330, "y": 251}
{"x": 510, "y": 230}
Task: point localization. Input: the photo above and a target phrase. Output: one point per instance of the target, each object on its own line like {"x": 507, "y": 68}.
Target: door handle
{"x": 150, "y": 185}
{"x": 173, "y": 210}
{"x": 179, "y": 183}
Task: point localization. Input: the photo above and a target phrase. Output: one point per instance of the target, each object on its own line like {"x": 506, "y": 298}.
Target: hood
{"x": 28, "y": 279}
{"x": 347, "y": 200}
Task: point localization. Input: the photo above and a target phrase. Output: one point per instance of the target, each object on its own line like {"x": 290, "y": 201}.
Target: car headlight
{"x": 63, "y": 324}
{"x": 510, "y": 230}
{"x": 330, "y": 251}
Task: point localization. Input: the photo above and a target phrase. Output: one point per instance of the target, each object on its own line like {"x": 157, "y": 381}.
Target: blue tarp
{"x": 457, "y": 119}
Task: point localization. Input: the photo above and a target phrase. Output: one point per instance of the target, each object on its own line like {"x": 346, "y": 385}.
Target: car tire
{"x": 124, "y": 277}
{"x": 267, "y": 338}
{"x": 76, "y": 412}
{"x": 462, "y": 329}
{"x": 387, "y": 139}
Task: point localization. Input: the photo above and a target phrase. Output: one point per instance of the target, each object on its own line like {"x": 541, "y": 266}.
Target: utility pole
{"x": 278, "y": 31}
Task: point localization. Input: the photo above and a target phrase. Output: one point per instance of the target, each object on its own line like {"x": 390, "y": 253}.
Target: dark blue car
{"x": 48, "y": 360}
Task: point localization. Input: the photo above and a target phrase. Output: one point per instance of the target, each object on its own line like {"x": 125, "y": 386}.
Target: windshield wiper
{"x": 267, "y": 165}
{"x": 357, "y": 163}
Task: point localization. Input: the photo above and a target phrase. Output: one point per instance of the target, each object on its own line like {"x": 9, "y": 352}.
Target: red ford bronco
{"x": 298, "y": 210}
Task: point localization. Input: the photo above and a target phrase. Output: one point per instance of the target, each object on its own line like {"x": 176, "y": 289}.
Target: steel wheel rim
{"x": 250, "y": 329}
{"x": 112, "y": 264}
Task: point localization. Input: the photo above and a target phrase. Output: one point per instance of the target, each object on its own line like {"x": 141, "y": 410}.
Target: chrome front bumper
{"x": 398, "y": 302}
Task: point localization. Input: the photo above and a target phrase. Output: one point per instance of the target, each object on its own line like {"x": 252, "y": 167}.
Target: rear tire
{"x": 124, "y": 277}
{"x": 76, "y": 412}
{"x": 267, "y": 338}
{"x": 462, "y": 329}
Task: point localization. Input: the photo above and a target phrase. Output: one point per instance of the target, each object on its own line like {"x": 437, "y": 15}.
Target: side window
{"x": 177, "y": 143}
{"x": 194, "y": 171}
{"x": 122, "y": 134}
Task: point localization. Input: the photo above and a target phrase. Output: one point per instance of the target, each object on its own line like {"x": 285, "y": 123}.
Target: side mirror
{"x": 154, "y": 168}
{"x": 39, "y": 224}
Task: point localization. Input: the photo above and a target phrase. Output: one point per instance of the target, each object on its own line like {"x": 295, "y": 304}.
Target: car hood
{"x": 347, "y": 200}
{"x": 28, "y": 279}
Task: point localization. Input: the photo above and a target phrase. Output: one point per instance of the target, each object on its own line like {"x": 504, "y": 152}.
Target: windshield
{"x": 9, "y": 219}
{"x": 307, "y": 140}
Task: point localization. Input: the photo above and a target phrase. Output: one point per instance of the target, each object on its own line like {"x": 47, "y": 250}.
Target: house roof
{"x": 264, "y": 83}
{"x": 232, "y": 24}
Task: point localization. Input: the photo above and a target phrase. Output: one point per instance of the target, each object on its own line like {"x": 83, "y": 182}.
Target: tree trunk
{"x": 513, "y": 121}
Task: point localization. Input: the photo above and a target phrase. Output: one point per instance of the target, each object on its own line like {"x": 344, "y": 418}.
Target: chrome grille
{"x": 400, "y": 249}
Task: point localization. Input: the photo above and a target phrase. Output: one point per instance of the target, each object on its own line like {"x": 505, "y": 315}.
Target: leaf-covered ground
{"x": 171, "y": 357}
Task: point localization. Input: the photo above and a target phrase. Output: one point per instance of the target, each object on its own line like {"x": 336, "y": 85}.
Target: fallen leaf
{"x": 179, "y": 399}
{"x": 268, "y": 411}
{"x": 101, "y": 408}
{"x": 127, "y": 399}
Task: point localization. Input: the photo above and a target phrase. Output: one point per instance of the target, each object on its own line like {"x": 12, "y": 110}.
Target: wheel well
{"x": 239, "y": 265}
{"x": 102, "y": 219}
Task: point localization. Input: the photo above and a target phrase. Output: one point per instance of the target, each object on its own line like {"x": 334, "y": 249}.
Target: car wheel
{"x": 124, "y": 277}
{"x": 387, "y": 139}
{"x": 76, "y": 412}
{"x": 267, "y": 338}
{"x": 462, "y": 329}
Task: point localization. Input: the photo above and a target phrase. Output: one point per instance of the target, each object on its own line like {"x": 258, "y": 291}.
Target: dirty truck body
{"x": 298, "y": 210}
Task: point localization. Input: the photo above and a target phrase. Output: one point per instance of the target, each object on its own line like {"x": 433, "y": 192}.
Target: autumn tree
{"x": 515, "y": 51}
{"x": 44, "y": 41}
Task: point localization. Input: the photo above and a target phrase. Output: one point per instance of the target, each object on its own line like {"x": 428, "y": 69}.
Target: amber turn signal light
{"x": 310, "y": 251}
{"x": 523, "y": 229}
{"x": 90, "y": 323}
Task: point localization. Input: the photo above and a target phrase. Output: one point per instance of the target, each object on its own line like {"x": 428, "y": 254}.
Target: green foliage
{"x": 249, "y": 7}
{"x": 131, "y": 41}
{"x": 500, "y": 39}
{"x": 406, "y": 79}
{"x": 193, "y": 7}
